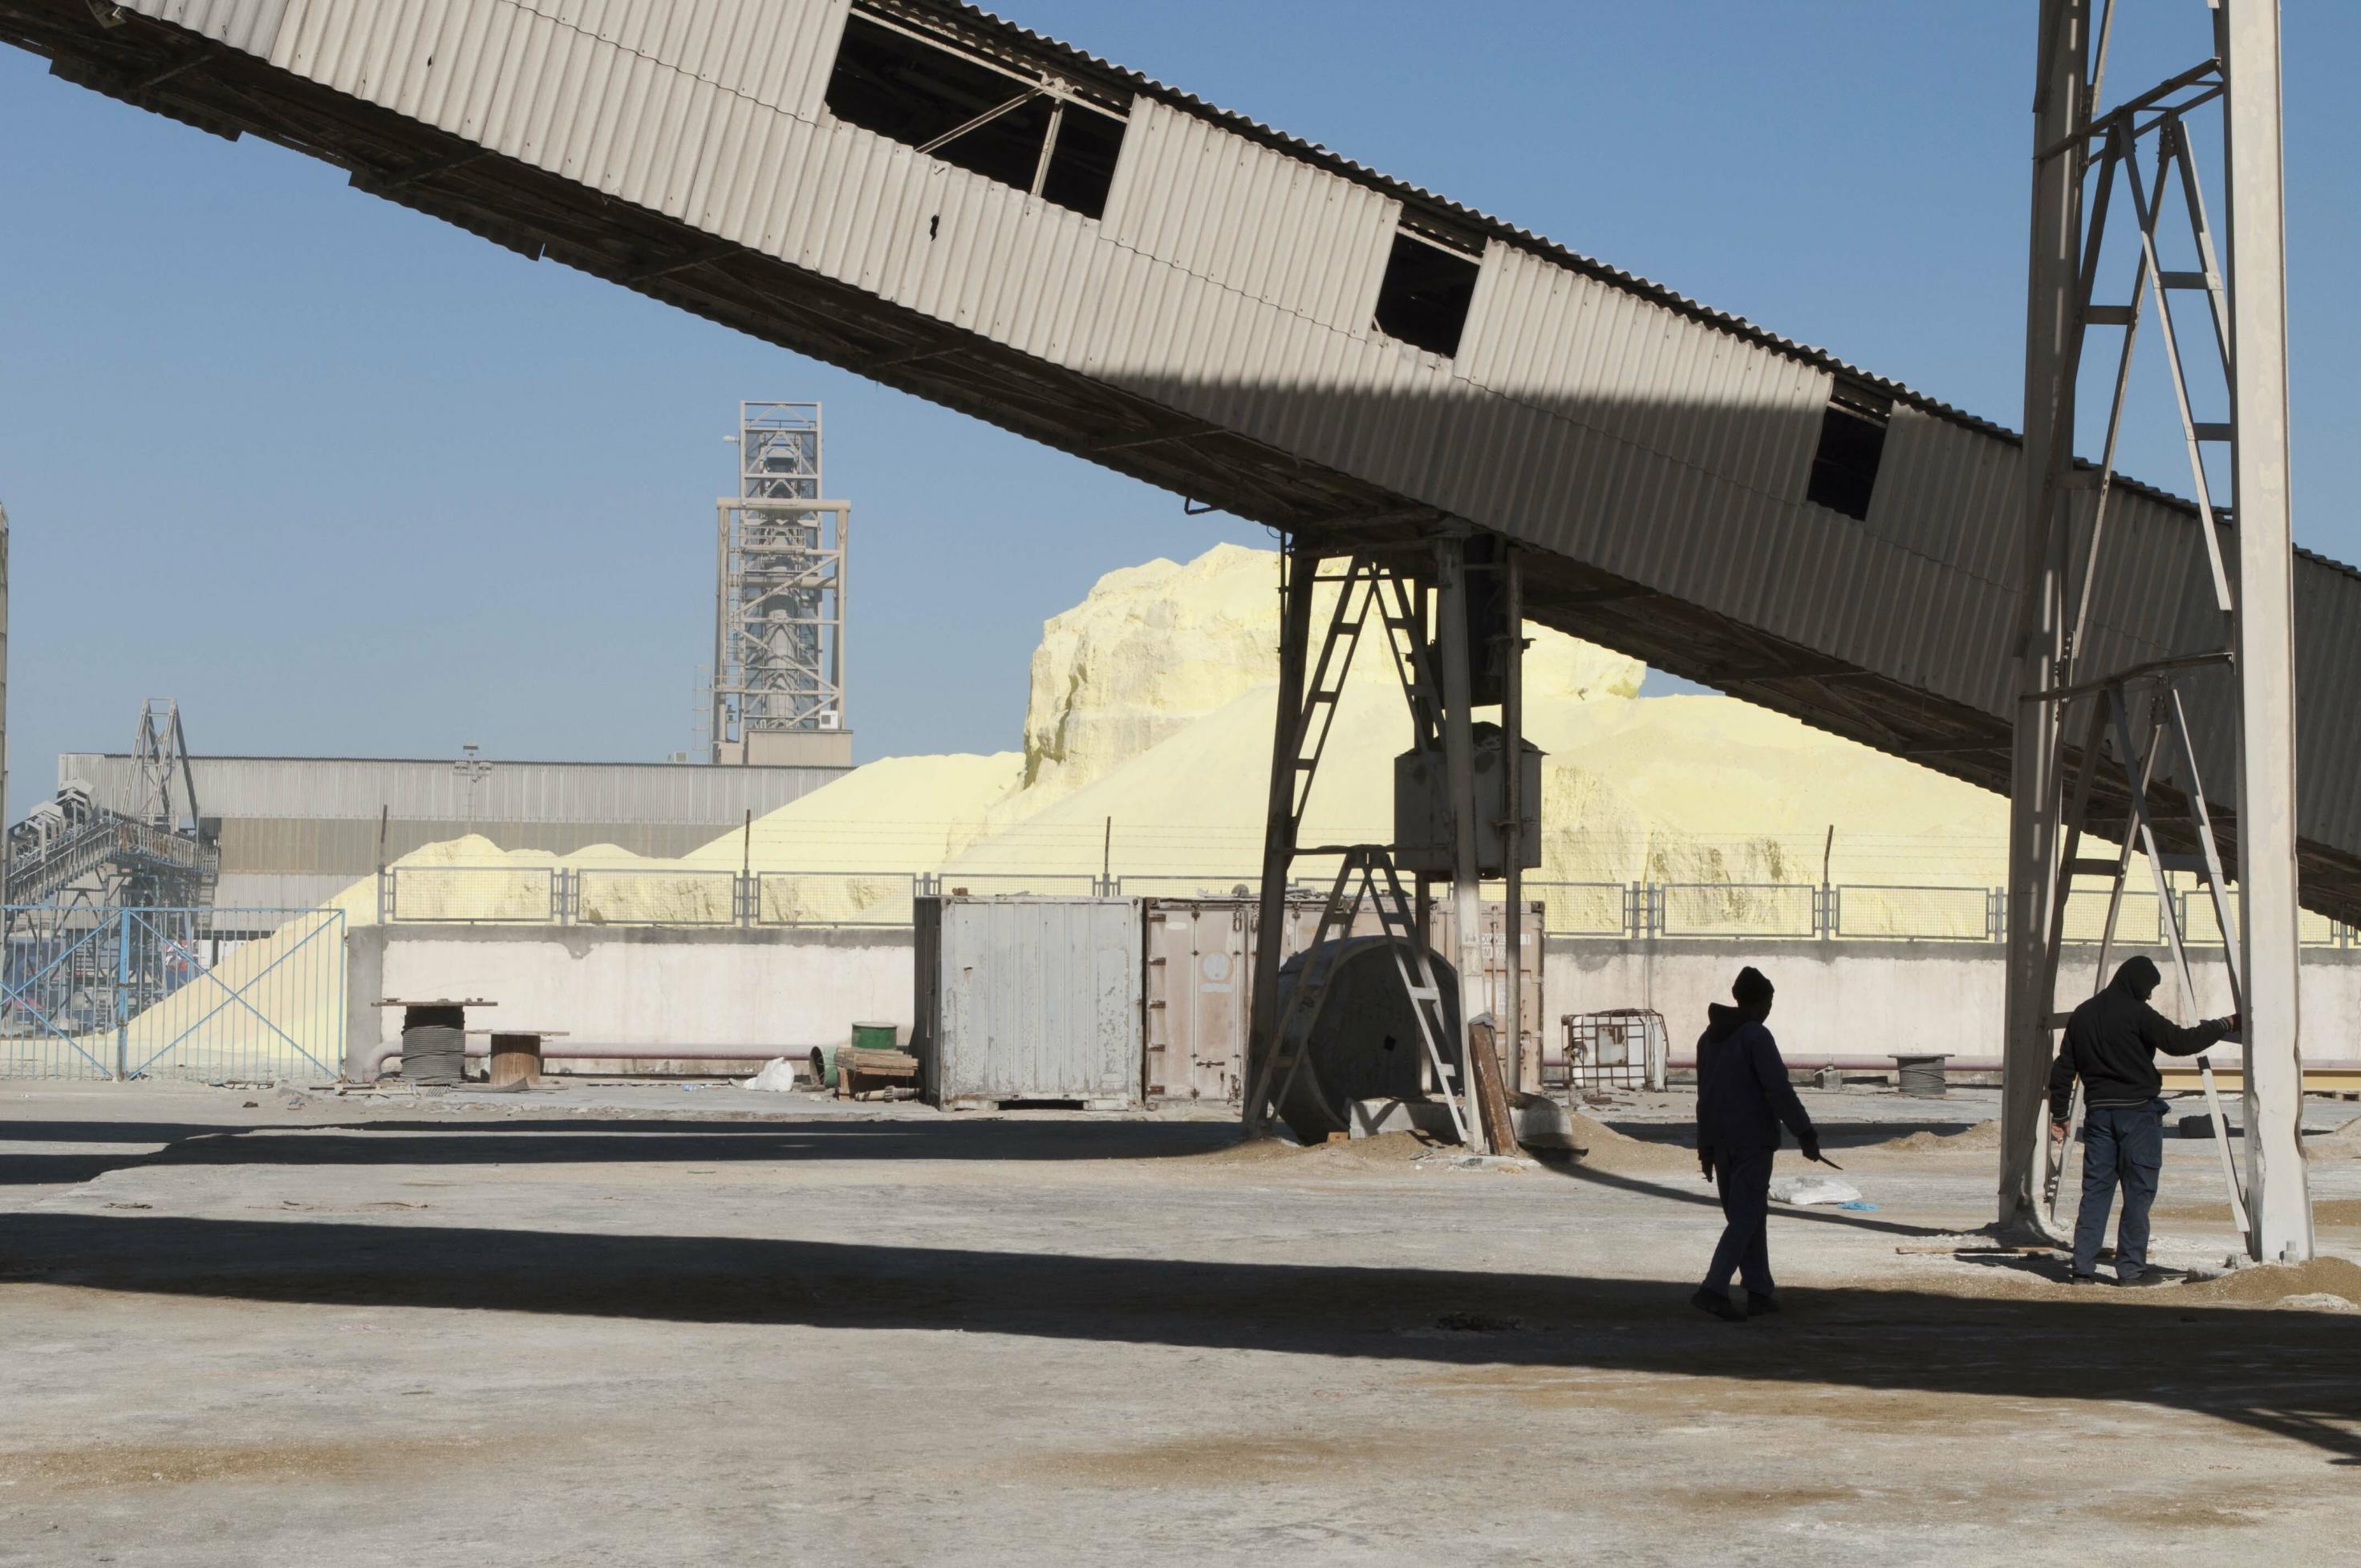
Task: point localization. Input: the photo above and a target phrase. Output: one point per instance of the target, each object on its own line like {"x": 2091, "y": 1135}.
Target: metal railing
{"x": 1736, "y": 909}
{"x": 833, "y": 898}
{"x": 1587, "y": 908}
{"x": 1056, "y": 884}
{"x": 1896, "y": 913}
{"x": 521, "y": 895}
{"x": 1167, "y": 886}
{"x": 600, "y": 895}
{"x": 112, "y": 993}
{"x": 1870, "y": 911}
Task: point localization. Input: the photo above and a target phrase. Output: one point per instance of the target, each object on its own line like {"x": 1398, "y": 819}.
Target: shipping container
{"x": 1199, "y": 985}
{"x": 1028, "y": 999}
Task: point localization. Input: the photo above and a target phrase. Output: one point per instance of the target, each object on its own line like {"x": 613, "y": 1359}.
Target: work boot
{"x": 1718, "y": 1305}
{"x": 2147, "y": 1278}
{"x": 2083, "y": 1280}
{"x": 1761, "y": 1306}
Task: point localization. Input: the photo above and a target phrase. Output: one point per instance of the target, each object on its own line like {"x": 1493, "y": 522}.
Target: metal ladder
{"x": 2166, "y": 724}
{"x": 1366, "y": 585}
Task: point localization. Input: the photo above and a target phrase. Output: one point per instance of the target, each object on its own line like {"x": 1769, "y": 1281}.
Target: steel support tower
{"x": 1419, "y": 604}
{"x": 2093, "y": 155}
{"x": 779, "y": 582}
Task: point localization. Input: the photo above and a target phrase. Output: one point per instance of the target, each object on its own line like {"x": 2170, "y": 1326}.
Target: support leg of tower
{"x": 1302, "y": 569}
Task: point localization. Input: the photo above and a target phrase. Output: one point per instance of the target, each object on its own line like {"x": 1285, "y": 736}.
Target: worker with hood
{"x": 2112, "y": 1043}
{"x": 1744, "y": 1095}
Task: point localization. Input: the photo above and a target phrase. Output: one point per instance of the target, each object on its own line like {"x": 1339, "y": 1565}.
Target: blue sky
{"x": 346, "y": 480}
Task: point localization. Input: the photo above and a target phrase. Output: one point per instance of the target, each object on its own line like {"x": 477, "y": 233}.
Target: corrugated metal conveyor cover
{"x": 1217, "y": 313}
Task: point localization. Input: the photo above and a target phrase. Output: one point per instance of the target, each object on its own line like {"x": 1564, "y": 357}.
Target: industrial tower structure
{"x": 2085, "y": 720}
{"x": 779, "y": 581}
{"x": 111, "y": 904}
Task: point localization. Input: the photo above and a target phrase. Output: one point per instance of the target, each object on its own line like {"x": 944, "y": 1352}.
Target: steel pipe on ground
{"x": 373, "y": 1065}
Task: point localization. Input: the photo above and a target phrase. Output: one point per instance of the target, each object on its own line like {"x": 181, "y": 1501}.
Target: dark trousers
{"x": 1745, "y": 1245}
{"x": 2120, "y": 1144}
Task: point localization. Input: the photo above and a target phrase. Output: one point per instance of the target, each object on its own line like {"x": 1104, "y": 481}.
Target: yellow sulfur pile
{"x": 1149, "y": 725}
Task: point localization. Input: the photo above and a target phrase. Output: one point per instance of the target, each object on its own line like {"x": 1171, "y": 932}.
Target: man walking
{"x": 2112, "y": 1043}
{"x": 1744, "y": 1095}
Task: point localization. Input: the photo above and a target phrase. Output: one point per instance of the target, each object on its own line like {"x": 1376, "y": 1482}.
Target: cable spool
{"x": 434, "y": 1053}
{"x": 1359, "y": 1035}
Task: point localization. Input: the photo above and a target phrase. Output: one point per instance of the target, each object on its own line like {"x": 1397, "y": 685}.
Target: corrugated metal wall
{"x": 248, "y": 25}
{"x": 311, "y": 788}
{"x": 1271, "y": 227}
{"x": 1030, "y": 998}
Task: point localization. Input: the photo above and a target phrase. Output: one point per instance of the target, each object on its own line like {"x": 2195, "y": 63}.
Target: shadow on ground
{"x": 2293, "y": 1374}
{"x": 1695, "y": 1191}
{"x": 577, "y": 1140}
{"x": 1834, "y": 1136}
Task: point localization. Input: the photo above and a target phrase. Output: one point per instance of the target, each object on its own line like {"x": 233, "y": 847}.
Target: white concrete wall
{"x": 775, "y": 994}
{"x": 781, "y": 993}
{"x": 1868, "y": 999}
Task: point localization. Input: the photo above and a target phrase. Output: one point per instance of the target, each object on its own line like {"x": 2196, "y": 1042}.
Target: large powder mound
{"x": 1156, "y": 646}
{"x": 1150, "y": 724}
{"x": 1152, "y": 647}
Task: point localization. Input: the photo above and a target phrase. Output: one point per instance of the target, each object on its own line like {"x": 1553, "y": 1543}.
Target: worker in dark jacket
{"x": 2112, "y": 1043}
{"x": 1742, "y": 1097}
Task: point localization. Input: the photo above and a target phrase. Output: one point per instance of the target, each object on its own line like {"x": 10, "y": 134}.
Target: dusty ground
{"x": 650, "y": 1326}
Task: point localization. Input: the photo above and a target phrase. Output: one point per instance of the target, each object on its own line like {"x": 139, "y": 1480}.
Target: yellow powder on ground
{"x": 2270, "y": 1283}
{"x": 1981, "y": 1138}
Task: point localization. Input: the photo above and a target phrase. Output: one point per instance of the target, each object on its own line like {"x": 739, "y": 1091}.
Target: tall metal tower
{"x": 779, "y": 581}
{"x": 2215, "y": 314}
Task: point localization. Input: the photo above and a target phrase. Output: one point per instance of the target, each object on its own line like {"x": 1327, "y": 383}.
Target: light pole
{"x": 475, "y": 770}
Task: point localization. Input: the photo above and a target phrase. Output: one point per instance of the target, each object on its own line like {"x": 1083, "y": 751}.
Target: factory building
{"x": 295, "y": 832}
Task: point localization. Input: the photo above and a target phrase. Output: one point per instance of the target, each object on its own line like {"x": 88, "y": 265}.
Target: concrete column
{"x": 1459, "y": 772}
{"x": 364, "y": 986}
{"x": 2279, "y": 1195}
{"x": 1512, "y": 827}
{"x": 2034, "y": 795}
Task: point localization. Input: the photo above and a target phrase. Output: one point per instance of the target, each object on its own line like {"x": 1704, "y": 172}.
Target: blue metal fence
{"x": 102, "y": 992}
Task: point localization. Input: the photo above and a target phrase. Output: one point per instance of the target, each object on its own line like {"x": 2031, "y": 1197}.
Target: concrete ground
{"x": 646, "y": 1326}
